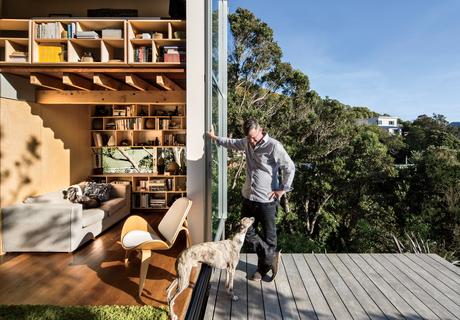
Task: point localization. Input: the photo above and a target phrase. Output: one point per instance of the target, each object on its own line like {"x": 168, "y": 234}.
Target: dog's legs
{"x": 229, "y": 282}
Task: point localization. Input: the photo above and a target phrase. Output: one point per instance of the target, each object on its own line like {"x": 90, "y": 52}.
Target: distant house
{"x": 387, "y": 123}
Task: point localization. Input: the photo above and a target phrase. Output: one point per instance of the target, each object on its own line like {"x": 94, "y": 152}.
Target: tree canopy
{"x": 350, "y": 194}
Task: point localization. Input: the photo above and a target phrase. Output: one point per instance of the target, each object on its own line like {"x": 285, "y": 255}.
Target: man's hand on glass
{"x": 276, "y": 195}
{"x": 211, "y": 133}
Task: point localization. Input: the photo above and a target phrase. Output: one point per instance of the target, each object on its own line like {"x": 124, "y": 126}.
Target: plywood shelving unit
{"x": 154, "y": 128}
{"x": 23, "y": 35}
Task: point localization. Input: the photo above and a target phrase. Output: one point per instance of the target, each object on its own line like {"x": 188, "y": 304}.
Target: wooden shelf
{"x": 136, "y": 175}
{"x": 175, "y": 185}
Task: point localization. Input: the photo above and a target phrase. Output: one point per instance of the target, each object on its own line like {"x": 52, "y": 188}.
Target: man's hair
{"x": 250, "y": 124}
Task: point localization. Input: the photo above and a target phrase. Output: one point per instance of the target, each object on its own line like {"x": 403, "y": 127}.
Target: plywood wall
{"x": 42, "y": 148}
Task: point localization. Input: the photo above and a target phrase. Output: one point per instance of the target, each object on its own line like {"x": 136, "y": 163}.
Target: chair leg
{"x": 127, "y": 253}
{"x": 146, "y": 256}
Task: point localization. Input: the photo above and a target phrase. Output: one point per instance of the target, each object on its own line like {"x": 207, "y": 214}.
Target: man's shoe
{"x": 276, "y": 265}
{"x": 256, "y": 276}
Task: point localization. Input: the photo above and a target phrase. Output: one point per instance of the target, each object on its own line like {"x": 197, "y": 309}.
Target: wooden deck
{"x": 92, "y": 275}
{"x": 342, "y": 286}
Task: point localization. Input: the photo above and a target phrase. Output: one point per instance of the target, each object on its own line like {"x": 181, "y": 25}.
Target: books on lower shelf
{"x": 147, "y": 201}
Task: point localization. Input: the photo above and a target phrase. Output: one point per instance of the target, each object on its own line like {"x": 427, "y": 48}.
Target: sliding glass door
{"x": 217, "y": 111}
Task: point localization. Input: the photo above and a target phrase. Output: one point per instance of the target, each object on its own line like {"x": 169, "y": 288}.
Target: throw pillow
{"x": 98, "y": 190}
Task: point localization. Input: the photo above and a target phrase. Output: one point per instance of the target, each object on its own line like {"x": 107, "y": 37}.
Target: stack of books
{"x": 86, "y": 35}
{"x": 18, "y": 56}
{"x": 157, "y": 202}
{"x": 143, "y": 54}
{"x": 157, "y": 185}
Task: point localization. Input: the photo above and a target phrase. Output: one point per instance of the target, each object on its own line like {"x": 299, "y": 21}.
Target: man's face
{"x": 254, "y": 136}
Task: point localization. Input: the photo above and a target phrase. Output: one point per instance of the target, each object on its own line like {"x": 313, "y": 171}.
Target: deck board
{"x": 240, "y": 289}
{"x": 346, "y": 286}
{"x": 349, "y": 300}
{"x": 425, "y": 297}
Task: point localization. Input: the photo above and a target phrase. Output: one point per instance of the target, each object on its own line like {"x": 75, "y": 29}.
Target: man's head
{"x": 253, "y": 131}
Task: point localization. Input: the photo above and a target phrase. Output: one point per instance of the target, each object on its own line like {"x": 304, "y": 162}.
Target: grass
{"x": 49, "y": 312}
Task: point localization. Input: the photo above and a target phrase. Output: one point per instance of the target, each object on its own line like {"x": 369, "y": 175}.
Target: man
{"x": 262, "y": 190}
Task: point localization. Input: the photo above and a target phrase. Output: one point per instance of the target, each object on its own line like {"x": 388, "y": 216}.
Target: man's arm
{"x": 287, "y": 167}
{"x": 235, "y": 144}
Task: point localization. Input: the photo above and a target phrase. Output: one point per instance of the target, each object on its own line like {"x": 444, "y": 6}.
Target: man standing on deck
{"x": 262, "y": 190}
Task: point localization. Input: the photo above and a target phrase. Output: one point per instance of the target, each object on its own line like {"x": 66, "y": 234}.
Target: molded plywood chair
{"x": 138, "y": 235}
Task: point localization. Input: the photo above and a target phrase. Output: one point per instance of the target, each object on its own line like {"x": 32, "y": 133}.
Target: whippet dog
{"x": 223, "y": 254}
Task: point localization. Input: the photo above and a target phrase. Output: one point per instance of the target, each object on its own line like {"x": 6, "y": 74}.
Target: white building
{"x": 387, "y": 123}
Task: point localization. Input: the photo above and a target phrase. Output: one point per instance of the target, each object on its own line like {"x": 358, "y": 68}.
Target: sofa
{"x": 50, "y": 223}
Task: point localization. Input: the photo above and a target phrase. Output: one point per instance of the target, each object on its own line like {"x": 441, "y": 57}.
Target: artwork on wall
{"x": 141, "y": 160}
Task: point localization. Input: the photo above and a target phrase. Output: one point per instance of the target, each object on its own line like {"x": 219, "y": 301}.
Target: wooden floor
{"x": 342, "y": 286}
{"x": 92, "y": 275}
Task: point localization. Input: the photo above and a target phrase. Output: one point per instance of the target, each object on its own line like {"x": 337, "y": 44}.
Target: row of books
{"x": 128, "y": 124}
{"x": 48, "y": 30}
{"x": 149, "y": 201}
{"x": 143, "y": 54}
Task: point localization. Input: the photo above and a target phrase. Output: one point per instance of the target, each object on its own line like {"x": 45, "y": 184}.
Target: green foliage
{"x": 49, "y": 312}
{"x": 349, "y": 195}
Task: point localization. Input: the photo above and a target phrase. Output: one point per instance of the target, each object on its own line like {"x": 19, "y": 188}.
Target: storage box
{"x": 112, "y": 34}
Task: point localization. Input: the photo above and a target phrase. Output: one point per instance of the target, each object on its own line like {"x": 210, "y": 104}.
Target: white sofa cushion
{"x": 91, "y": 216}
{"x": 136, "y": 237}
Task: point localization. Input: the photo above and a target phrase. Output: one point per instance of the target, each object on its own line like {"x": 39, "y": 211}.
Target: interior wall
{"x": 196, "y": 115}
{"x": 42, "y": 8}
{"x": 43, "y": 148}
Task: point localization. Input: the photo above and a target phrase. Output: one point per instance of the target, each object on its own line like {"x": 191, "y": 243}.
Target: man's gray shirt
{"x": 262, "y": 164}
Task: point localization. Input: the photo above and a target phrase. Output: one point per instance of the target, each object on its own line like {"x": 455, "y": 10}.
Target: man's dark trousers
{"x": 263, "y": 243}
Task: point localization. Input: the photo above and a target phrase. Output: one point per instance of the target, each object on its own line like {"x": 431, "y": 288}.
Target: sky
{"x": 396, "y": 57}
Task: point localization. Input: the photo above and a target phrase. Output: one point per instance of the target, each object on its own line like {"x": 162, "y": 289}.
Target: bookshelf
{"x": 88, "y": 41}
{"x": 154, "y": 130}
{"x": 14, "y": 41}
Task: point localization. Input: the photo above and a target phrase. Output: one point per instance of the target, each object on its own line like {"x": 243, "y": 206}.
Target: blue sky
{"x": 396, "y": 57}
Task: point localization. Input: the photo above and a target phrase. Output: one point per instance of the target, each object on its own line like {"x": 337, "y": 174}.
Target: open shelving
{"x": 53, "y": 41}
{"x": 142, "y": 127}
{"x": 14, "y": 41}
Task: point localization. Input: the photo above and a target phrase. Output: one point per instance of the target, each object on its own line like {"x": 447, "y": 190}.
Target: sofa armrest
{"x": 45, "y": 227}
